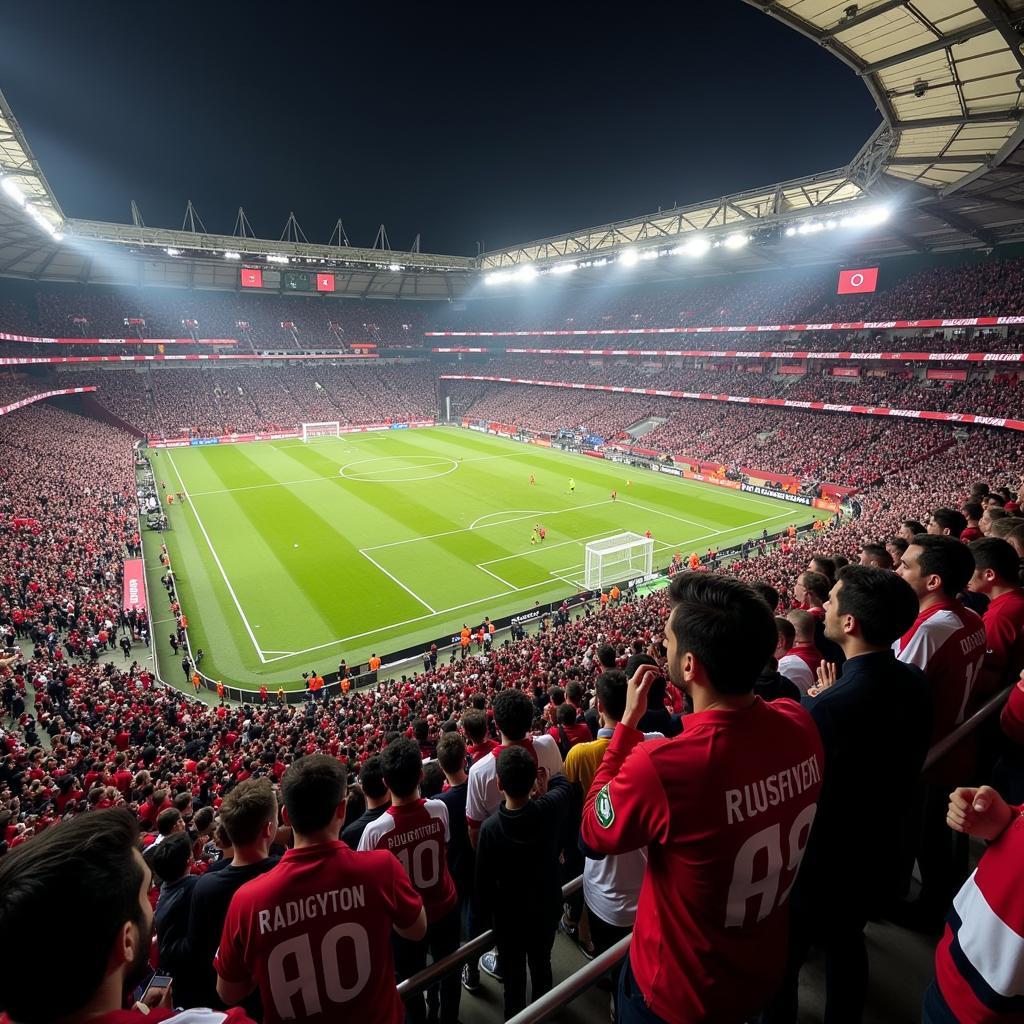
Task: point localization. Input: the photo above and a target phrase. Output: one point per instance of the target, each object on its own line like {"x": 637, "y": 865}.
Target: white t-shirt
{"x": 482, "y": 796}
{"x": 797, "y": 671}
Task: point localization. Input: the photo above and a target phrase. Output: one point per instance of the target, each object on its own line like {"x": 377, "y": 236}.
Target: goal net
{"x": 313, "y": 430}
{"x": 621, "y": 557}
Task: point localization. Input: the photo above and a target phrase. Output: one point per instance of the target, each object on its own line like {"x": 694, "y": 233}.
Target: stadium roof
{"x": 946, "y": 164}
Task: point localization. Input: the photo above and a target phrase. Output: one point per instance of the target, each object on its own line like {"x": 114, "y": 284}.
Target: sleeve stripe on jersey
{"x": 987, "y": 952}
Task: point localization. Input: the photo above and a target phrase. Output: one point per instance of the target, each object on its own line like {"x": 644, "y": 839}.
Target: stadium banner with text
{"x": 778, "y": 403}
{"x": 134, "y": 585}
{"x": 946, "y": 374}
{"x": 275, "y": 435}
{"x": 772, "y": 492}
{"x": 858, "y": 325}
{"x": 116, "y": 341}
{"x": 41, "y": 397}
{"x": 281, "y": 357}
{"x": 895, "y": 357}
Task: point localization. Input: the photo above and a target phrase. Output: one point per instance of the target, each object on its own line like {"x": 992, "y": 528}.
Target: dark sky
{"x": 432, "y": 118}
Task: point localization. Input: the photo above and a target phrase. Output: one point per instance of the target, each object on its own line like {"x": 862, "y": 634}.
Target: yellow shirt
{"x": 583, "y": 760}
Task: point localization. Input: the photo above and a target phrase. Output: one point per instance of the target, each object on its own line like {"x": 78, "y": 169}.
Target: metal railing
{"x": 589, "y": 974}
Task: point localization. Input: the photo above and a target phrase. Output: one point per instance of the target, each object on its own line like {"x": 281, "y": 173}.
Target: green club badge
{"x": 604, "y": 809}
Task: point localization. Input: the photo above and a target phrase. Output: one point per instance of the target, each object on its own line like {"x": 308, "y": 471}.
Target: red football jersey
{"x": 725, "y": 811}
{"x": 947, "y": 642}
{"x": 1004, "y": 634}
{"x": 417, "y": 834}
{"x": 315, "y": 934}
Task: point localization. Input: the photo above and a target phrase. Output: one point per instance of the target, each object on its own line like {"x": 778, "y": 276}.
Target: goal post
{"x": 313, "y": 430}
{"x": 621, "y": 557}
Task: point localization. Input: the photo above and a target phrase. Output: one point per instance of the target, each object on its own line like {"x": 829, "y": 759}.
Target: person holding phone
{"x": 724, "y": 810}
{"x": 87, "y": 873}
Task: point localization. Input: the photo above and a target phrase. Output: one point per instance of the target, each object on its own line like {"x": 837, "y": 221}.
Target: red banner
{"x": 116, "y": 341}
{"x": 863, "y": 325}
{"x": 946, "y": 374}
{"x": 325, "y": 282}
{"x": 851, "y": 371}
{"x": 252, "y": 277}
{"x": 134, "y": 585}
{"x": 196, "y": 357}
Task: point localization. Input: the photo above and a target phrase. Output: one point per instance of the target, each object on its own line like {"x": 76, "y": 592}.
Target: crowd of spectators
{"x": 158, "y": 762}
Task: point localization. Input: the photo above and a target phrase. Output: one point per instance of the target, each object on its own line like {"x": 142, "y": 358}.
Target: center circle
{"x": 398, "y": 469}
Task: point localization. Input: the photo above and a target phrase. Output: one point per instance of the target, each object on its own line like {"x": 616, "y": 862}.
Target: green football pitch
{"x": 289, "y": 555}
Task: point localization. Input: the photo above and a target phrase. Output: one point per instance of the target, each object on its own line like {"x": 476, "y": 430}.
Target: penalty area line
{"x": 395, "y": 579}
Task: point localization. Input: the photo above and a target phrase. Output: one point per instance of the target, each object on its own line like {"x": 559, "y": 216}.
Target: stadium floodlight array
{"x": 314, "y": 430}
{"x": 621, "y": 557}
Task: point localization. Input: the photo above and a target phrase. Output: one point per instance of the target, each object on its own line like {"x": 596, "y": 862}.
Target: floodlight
{"x": 736, "y": 240}
{"x": 274, "y": 258}
{"x": 526, "y": 273}
{"x": 790, "y": 231}
{"x": 696, "y": 246}
{"x": 629, "y": 257}
{"x": 394, "y": 266}
{"x": 563, "y": 268}
{"x": 173, "y": 252}
{"x": 11, "y": 188}
{"x": 232, "y": 255}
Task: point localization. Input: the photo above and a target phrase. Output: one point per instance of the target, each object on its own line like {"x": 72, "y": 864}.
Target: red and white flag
{"x": 325, "y": 282}
{"x": 853, "y": 281}
{"x": 252, "y": 277}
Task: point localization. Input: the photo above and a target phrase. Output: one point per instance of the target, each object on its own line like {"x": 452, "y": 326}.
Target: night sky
{"x": 433, "y": 118}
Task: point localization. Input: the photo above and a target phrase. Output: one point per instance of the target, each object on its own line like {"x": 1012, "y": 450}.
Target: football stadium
{"x": 536, "y": 621}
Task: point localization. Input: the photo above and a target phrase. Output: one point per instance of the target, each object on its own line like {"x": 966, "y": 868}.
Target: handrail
{"x": 577, "y": 982}
{"x": 480, "y": 944}
{"x": 589, "y": 973}
{"x": 966, "y": 727}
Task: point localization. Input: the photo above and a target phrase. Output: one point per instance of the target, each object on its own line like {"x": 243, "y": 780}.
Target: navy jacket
{"x": 875, "y": 724}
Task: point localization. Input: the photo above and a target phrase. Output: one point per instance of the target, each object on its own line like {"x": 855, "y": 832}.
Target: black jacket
{"x": 170, "y": 921}
{"x": 875, "y": 725}
{"x": 517, "y": 877}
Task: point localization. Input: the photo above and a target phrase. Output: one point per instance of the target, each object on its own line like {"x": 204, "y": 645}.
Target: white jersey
{"x": 797, "y": 671}
{"x": 482, "y": 796}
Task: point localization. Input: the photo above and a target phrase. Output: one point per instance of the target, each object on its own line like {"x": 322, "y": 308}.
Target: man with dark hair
{"x": 811, "y": 591}
{"x": 248, "y": 821}
{"x": 875, "y": 725}
{"x": 88, "y": 875}
{"x": 875, "y": 555}
{"x": 479, "y": 745}
{"x": 946, "y": 522}
{"x": 823, "y": 566}
{"x": 991, "y": 514}
{"x": 378, "y": 800}
{"x": 724, "y": 848}
{"x": 416, "y": 832}
{"x": 513, "y": 715}
{"x": 314, "y": 933}
{"x": 611, "y": 884}
{"x": 170, "y": 862}
{"x": 947, "y": 642}
{"x": 896, "y": 546}
{"x": 517, "y": 876}
{"x": 909, "y": 529}
{"x": 451, "y": 755}
{"x": 996, "y": 568}
{"x": 972, "y": 511}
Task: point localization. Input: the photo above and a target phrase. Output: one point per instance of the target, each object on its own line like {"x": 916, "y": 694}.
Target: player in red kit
{"x": 416, "y": 831}
{"x": 315, "y": 932}
{"x": 724, "y": 810}
{"x": 947, "y": 641}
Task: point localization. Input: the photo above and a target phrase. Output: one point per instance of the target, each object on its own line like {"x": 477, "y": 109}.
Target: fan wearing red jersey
{"x": 979, "y": 964}
{"x": 724, "y": 810}
{"x": 996, "y": 566}
{"x": 314, "y": 933}
{"x": 947, "y": 642}
{"x": 416, "y": 832}
{"x": 88, "y": 875}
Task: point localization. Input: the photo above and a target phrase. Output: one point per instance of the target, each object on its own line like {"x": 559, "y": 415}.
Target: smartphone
{"x": 153, "y": 981}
